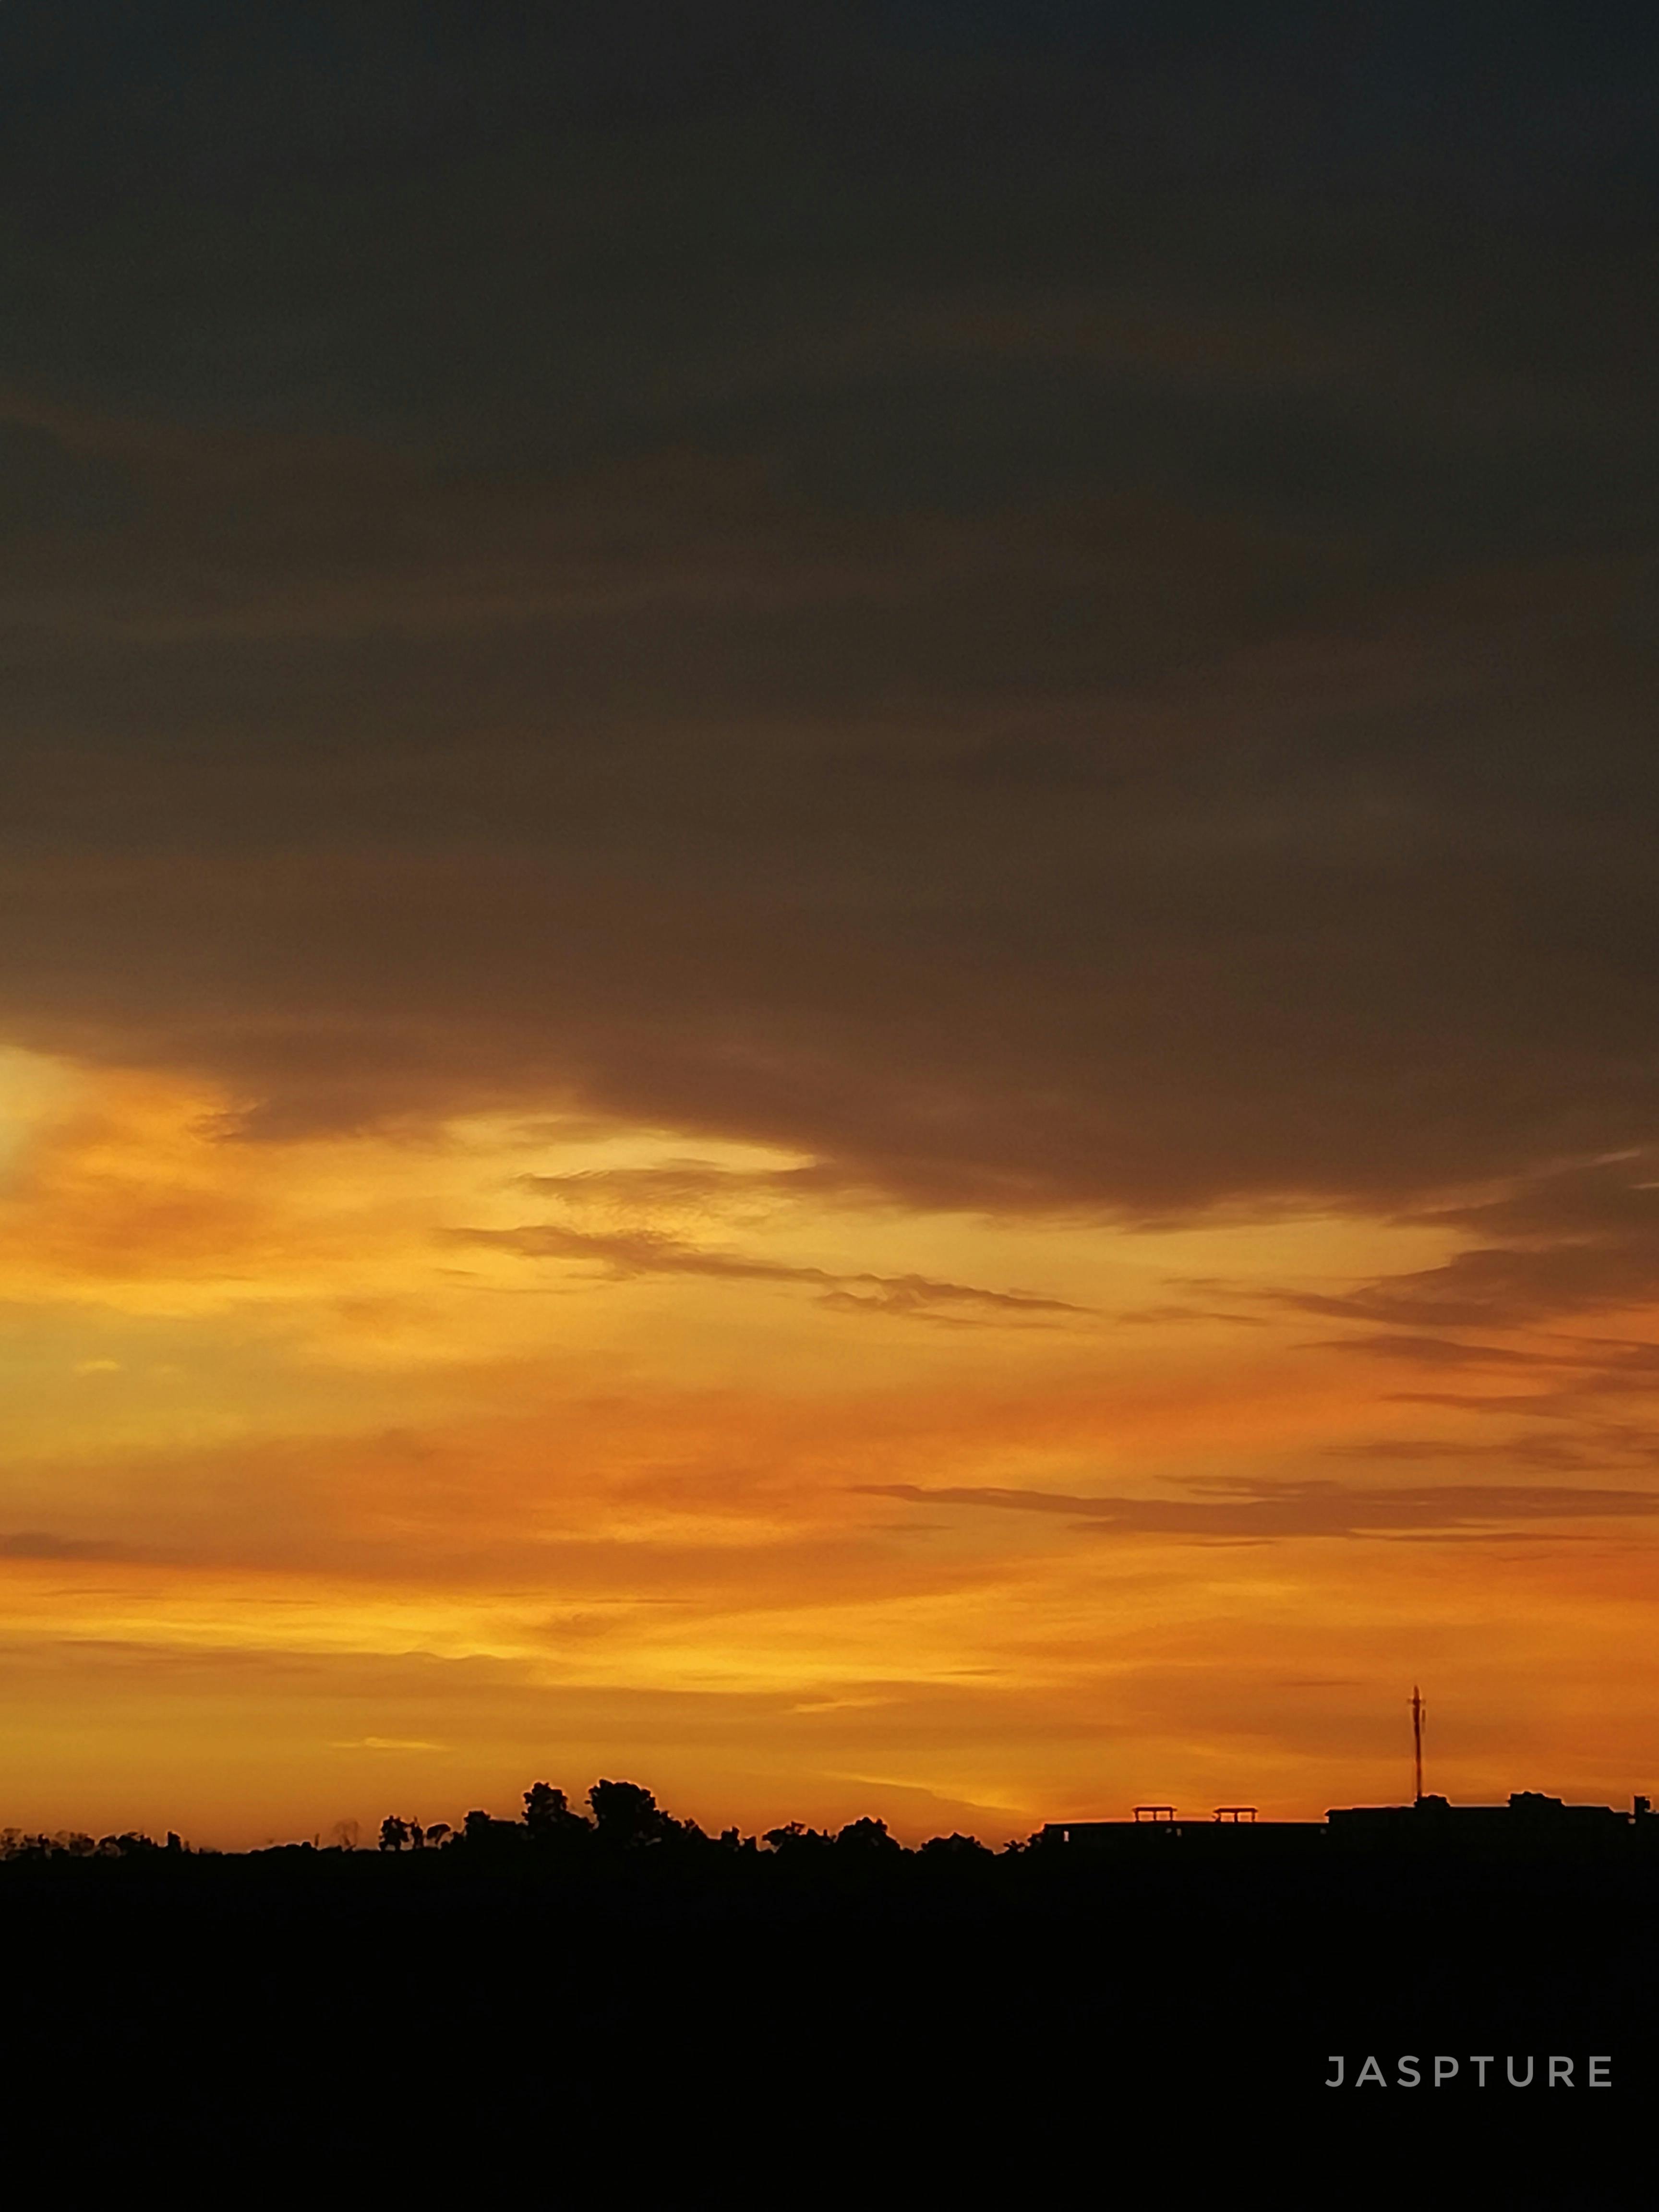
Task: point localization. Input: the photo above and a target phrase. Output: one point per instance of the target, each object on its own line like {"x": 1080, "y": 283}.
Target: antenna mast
{"x": 1418, "y": 1710}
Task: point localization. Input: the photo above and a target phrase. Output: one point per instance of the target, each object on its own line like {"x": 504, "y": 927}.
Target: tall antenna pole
{"x": 1418, "y": 1710}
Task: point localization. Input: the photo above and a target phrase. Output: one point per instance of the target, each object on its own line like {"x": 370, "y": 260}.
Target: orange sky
{"x": 333, "y": 1494}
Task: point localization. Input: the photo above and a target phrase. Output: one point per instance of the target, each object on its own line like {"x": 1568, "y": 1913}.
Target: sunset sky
{"x": 828, "y": 927}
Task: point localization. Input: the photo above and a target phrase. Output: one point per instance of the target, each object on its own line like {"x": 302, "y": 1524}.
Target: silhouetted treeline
{"x": 72, "y": 1844}
{"x": 569, "y": 1989}
{"x": 624, "y": 1818}
{"x": 627, "y": 1825}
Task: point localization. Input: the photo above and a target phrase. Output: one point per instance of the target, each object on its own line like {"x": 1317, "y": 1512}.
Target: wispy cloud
{"x": 680, "y": 1182}
{"x": 629, "y": 1253}
{"x": 387, "y": 1743}
{"x": 1241, "y": 1507}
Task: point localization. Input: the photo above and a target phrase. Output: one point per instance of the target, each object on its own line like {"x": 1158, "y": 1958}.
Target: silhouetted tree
{"x": 15, "y": 1844}
{"x": 795, "y": 1838}
{"x": 627, "y": 1817}
{"x": 955, "y": 1847}
{"x": 867, "y": 1836}
{"x": 129, "y": 1846}
{"x": 394, "y": 1833}
{"x": 547, "y": 1816}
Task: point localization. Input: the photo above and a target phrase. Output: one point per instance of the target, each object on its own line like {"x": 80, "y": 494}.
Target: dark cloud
{"x": 1243, "y": 1508}
{"x": 629, "y": 1253}
{"x": 1438, "y": 1351}
{"x": 1591, "y": 1448}
{"x": 1053, "y": 613}
{"x": 1576, "y": 1238}
{"x": 1590, "y": 1201}
{"x": 46, "y": 485}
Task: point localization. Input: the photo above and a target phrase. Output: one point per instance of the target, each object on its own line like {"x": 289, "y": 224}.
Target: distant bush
{"x": 72, "y": 1844}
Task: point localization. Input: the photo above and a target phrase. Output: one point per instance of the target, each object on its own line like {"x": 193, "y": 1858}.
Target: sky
{"x": 829, "y": 960}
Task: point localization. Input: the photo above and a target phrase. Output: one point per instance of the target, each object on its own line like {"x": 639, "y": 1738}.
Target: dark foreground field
{"x": 897, "y": 2031}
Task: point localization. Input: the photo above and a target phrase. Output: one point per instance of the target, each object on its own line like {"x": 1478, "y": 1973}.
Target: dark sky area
{"x": 1052, "y": 603}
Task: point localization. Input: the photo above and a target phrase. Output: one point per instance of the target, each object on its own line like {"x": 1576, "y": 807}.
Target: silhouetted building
{"x": 1531, "y": 1824}
{"x": 1158, "y": 1827}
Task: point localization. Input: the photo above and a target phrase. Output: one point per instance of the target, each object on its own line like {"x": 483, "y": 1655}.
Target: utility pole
{"x": 1418, "y": 1710}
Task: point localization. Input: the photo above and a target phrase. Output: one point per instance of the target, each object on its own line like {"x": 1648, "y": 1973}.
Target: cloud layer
{"x": 853, "y": 589}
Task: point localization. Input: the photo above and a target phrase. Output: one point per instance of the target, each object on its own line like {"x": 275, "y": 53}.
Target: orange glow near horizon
{"x": 394, "y": 1471}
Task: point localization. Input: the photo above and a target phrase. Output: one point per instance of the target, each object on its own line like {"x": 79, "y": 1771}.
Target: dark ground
{"x": 986, "y": 2032}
